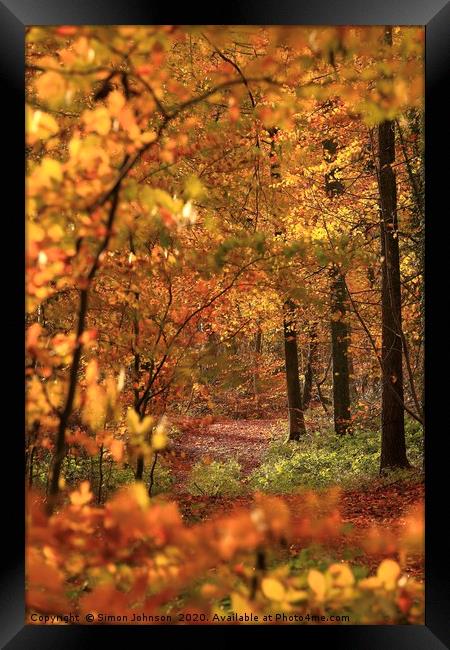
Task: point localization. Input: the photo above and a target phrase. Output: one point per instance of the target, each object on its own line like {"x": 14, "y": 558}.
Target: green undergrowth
{"x": 77, "y": 469}
{"x": 216, "y": 478}
{"x": 322, "y": 461}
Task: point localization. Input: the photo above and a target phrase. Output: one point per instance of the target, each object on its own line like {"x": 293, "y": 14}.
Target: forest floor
{"x": 246, "y": 441}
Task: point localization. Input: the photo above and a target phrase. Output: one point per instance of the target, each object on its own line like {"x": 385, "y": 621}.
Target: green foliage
{"x": 163, "y": 478}
{"x": 350, "y": 461}
{"x": 216, "y": 478}
{"x": 76, "y": 469}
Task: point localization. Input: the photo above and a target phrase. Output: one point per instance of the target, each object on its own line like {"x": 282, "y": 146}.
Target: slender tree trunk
{"x": 258, "y": 348}
{"x": 309, "y": 372}
{"x": 351, "y": 368}
{"x": 393, "y": 446}
{"x": 108, "y": 478}
{"x": 297, "y": 426}
{"x": 339, "y": 343}
{"x": 152, "y": 474}
{"x": 339, "y": 327}
{"x": 136, "y": 367}
{"x": 100, "y": 474}
{"x": 296, "y": 417}
{"x": 60, "y": 444}
{"x": 139, "y": 468}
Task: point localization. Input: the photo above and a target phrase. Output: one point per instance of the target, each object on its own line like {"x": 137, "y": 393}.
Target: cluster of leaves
{"x": 325, "y": 460}
{"x": 137, "y": 556}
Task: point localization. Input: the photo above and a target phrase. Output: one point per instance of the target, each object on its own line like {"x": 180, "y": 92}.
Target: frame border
{"x": 15, "y": 15}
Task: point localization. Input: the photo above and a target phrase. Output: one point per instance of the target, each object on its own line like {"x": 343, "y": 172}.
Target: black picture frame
{"x": 15, "y": 15}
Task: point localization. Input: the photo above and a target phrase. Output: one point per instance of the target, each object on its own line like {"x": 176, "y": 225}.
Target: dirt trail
{"x": 242, "y": 440}
{"x": 246, "y": 441}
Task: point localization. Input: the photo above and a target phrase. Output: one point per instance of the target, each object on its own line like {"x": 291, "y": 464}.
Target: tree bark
{"x": 100, "y": 474}
{"x": 309, "y": 372}
{"x": 393, "y": 445}
{"x": 60, "y": 444}
{"x": 297, "y": 426}
{"x": 339, "y": 344}
{"x": 296, "y": 418}
{"x": 152, "y": 474}
{"x": 340, "y": 332}
{"x": 258, "y": 349}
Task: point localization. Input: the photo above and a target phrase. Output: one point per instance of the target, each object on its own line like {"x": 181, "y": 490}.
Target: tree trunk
{"x": 351, "y": 368}
{"x": 340, "y": 333}
{"x": 296, "y": 418}
{"x": 139, "y": 468}
{"x": 297, "y": 426}
{"x": 309, "y": 372}
{"x": 152, "y": 474}
{"x": 258, "y": 349}
{"x": 100, "y": 474}
{"x": 339, "y": 343}
{"x": 393, "y": 446}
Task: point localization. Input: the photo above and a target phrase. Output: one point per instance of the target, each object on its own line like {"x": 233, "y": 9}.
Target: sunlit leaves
{"x": 40, "y": 125}
{"x": 45, "y": 176}
{"x": 273, "y": 589}
{"x": 98, "y": 121}
{"x": 193, "y": 188}
{"x": 136, "y": 425}
{"x": 317, "y": 582}
{"x": 139, "y": 546}
{"x": 82, "y": 496}
{"x": 203, "y": 249}
{"x": 388, "y": 573}
{"x": 51, "y": 87}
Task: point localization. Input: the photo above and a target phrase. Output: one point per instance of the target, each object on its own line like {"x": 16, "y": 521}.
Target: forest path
{"x": 383, "y": 506}
{"x": 241, "y": 440}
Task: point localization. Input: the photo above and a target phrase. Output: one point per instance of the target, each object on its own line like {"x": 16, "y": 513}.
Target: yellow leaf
{"x": 295, "y": 595}
{"x": 135, "y": 425}
{"x": 132, "y": 420}
{"x": 55, "y": 232}
{"x": 146, "y": 424}
{"x": 116, "y": 449}
{"x": 239, "y": 605}
{"x": 92, "y": 371}
{"x": 50, "y": 169}
{"x": 116, "y": 101}
{"x": 388, "y": 572}
{"x": 317, "y": 582}
{"x": 341, "y": 574}
{"x": 273, "y": 589}
{"x": 148, "y": 136}
{"x": 35, "y": 233}
{"x": 82, "y": 496}
{"x": 40, "y": 125}
{"x": 138, "y": 492}
{"x": 51, "y": 86}
{"x": 159, "y": 440}
{"x": 98, "y": 120}
{"x": 370, "y": 583}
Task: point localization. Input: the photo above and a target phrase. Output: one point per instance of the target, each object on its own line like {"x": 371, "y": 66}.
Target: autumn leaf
{"x": 98, "y": 120}
{"x": 82, "y": 496}
{"x": 388, "y": 573}
{"x": 317, "y": 582}
{"x": 273, "y": 589}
